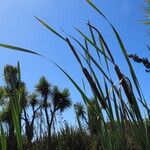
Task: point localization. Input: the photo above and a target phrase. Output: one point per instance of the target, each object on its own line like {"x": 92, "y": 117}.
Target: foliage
{"x": 111, "y": 120}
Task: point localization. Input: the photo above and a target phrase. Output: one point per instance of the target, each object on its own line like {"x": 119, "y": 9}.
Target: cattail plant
{"x": 114, "y": 117}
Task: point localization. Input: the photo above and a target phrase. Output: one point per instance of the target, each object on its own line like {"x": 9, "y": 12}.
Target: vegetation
{"x": 112, "y": 119}
{"x": 44, "y": 105}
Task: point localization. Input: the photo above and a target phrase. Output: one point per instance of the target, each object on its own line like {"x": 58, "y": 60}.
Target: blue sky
{"x": 19, "y": 27}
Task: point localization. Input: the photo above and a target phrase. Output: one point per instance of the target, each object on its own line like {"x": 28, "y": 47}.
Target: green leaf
{"x": 3, "y": 139}
{"x": 97, "y": 9}
{"x": 94, "y": 45}
{"x": 50, "y": 28}
{"x": 19, "y": 49}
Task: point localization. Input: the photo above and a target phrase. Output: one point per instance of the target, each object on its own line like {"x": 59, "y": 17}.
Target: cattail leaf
{"x": 50, "y": 28}
{"x": 93, "y": 60}
{"x": 108, "y": 99}
{"x": 19, "y": 49}
{"x": 94, "y": 41}
{"x": 93, "y": 45}
{"x": 19, "y": 72}
{"x": 3, "y": 138}
{"x": 87, "y": 49}
{"x": 106, "y": 46}
{"x": 15, "y": 114}
{"x": 97, "y": 9}
{"x": 103, "y": 49}
{"x": 94, "y": 76}
{"x": 135, "y": 80}
{"x": 93, "y": 85}
{"x": 87, "y": 101}
{"x": 74, "y": 52}
{"x": 83, "y": 85}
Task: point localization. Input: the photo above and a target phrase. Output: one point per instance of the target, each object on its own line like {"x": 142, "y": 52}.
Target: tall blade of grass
{"x": 138, "y": 129}
{"x": 86, "y": 56}
{"x": 74, "y": 52}
{"x": 145, "y": 106}
{"x": 146, "y": 132}
{"x": 124, "y": 52}
{"x": 82, "y": 34}
{"x": 131, "y": 117}
{"x": 135, "y": 80}
{"x": 116, "y": 106}
{"x": 129, "y": 92}
{"x": 103, "y": 49}
{"x": 124, "y": 141}
{"x": 92, "y": 73}
{"x": 16, "y": 111}
{"x": 88, "y": 76}
{"x": 94, "y": 77}
{"x": 98, "y": 68}
{"x": 78, "y": 120}
{"x": 97, "y": 82}
{"x": 108, "y": 99}
{"x": 19, "y": 72}
{"x": 93, "y": 60}
{"x": 108, "y": 143}
{"x": 98, "y": 10}
{"x": 19, "y": 49}
{"x": 94, "y": 87}
{"x": 94, "y": 41}
{"x": 85, "y": 98}
{"x": 87, "y": 101}
{"x": 128, "y": 61}
{"x": 16, "y": 123}
{"x": 50, "y": 28}
{"x": 83, "y": 85}
{"x": 106, "y": 46}
{"x": 3, "y": 139}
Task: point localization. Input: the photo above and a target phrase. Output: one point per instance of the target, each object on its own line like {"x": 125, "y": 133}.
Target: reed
{"x": 114, "y": 120}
